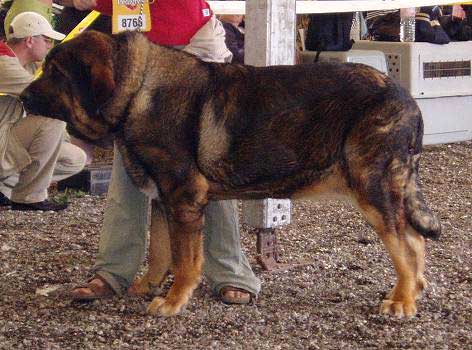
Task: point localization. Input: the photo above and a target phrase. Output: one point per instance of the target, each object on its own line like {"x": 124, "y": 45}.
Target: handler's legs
{"x": 122, "y": 240}
{"x": 225, "y": 263}
{"x": 123, "y": 237}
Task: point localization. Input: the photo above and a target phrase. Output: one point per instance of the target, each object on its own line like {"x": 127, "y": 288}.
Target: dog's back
{"x": 281, "y": 122}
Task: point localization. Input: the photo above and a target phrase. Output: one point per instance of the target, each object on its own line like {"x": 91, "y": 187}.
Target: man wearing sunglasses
{"x": 32, "y": 148}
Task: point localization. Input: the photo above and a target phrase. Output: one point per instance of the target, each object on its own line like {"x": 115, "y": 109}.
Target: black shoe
{"x": 44, "y": 206}
{"x": 4, "y": 201}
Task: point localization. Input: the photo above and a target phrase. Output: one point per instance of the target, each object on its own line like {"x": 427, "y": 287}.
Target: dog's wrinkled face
{"x": 77, "y": 81}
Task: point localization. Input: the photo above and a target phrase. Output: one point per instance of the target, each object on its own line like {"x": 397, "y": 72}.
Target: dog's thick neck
{"x": 130, "y": 52}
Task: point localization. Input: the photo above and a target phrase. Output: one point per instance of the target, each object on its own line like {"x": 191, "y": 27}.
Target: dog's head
{"x": 76, "y": 83}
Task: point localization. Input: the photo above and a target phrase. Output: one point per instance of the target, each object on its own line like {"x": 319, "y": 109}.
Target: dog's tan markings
{"x": 214, "y": 141}
{"x": 186, "y": 224}
{"x": 201, "y": 186}
{"x": 417, "y": 253}
{"x": 141, "y": 102}
{"x": 160, "y": 257}
{"x": 406, "y": 249}
{"x": 187, "y": 255}
{"x": 328, "y": 187}
{"x": 407, "y": 253}
{"x": 404, "y": 245}
{"x": 386, "y": 128}
{"x": 399, "y": 174}
{"x": 132, "y": 73}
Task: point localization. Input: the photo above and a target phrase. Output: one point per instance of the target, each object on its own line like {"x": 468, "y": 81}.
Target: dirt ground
{"x": 331, "y": 303}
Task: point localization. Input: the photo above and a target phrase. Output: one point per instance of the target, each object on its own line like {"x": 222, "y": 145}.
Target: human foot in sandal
{"x": 96, "y": 288}
{"x": 233, "y": 295}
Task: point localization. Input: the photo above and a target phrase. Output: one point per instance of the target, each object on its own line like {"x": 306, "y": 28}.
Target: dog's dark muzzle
{"x": 36, "y": 103}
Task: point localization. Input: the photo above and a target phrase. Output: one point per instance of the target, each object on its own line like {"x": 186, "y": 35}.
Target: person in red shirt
{"x": 191, "y": 26}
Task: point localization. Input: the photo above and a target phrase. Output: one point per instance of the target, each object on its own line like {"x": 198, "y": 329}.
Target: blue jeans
{"x": 123, "y": 239}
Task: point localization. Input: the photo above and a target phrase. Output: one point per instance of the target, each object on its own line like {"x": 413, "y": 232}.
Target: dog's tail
{"x": 419, "y": 215}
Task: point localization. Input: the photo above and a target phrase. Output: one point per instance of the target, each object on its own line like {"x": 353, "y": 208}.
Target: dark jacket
{"x": 235, "y": 42}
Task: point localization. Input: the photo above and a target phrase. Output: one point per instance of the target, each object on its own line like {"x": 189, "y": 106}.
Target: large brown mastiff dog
{"x": 192, "y": 132}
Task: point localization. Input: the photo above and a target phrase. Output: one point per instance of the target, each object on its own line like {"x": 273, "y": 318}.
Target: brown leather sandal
{"x": 96, "y": 291}
{"x": 229, "y": 299}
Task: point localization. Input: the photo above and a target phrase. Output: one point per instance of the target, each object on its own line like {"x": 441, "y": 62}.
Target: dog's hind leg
{"x": 407, "y": 252}
{"x": 414, "y": 222}
{"x": 406, "y": 249}
{"x": 382, "y": 200}
{"x": 186, "y": 204}
{"x": 159, "y": 253}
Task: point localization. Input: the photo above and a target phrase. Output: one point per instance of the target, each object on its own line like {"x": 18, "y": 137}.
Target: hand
{"x": 84, "y": 4}
{"x": 458, "y": 12}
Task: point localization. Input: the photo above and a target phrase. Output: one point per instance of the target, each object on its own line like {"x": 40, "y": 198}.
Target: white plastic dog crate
{"x": 439, "y": 78}
{"x": 371, "y": 58}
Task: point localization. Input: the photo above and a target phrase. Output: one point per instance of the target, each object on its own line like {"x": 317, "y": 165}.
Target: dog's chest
{"x": 136, "y": 172}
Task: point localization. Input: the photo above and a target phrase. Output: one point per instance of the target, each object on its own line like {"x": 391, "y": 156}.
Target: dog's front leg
{"x": 187, "y": 256}
{"x": 186, "y": 206}
{"x": 159, "y": 253}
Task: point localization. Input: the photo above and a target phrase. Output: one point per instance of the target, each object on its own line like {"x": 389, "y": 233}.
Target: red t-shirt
{"x": 173, "y": 22}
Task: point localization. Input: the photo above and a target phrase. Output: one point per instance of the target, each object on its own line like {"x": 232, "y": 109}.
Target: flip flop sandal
{"x": 97, "y": 292}
{"x": 235, "y": 300}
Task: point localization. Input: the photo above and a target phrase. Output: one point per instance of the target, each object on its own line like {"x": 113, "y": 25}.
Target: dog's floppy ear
{"x": 99, "y": 57}
{"x": 102, "y": 81}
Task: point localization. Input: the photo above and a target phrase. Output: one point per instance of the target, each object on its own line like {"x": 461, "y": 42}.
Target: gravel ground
{"x": 331, "y": 303}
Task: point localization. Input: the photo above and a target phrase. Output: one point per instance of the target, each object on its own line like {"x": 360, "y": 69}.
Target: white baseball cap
{"x": 32, "y": 24}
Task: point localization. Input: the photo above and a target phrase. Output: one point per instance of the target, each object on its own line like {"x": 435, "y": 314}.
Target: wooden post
{"x": 269, "y": 40}
{"x": 270, "y": 32}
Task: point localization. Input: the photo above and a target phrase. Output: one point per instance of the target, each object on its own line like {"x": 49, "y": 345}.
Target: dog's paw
{"x": 398, "y": 308}
{"x": 156, "y": 303}
{"x": 138, "y": 288}
{"x": 161, "y": 307}
{"x": 142, "y": 287}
